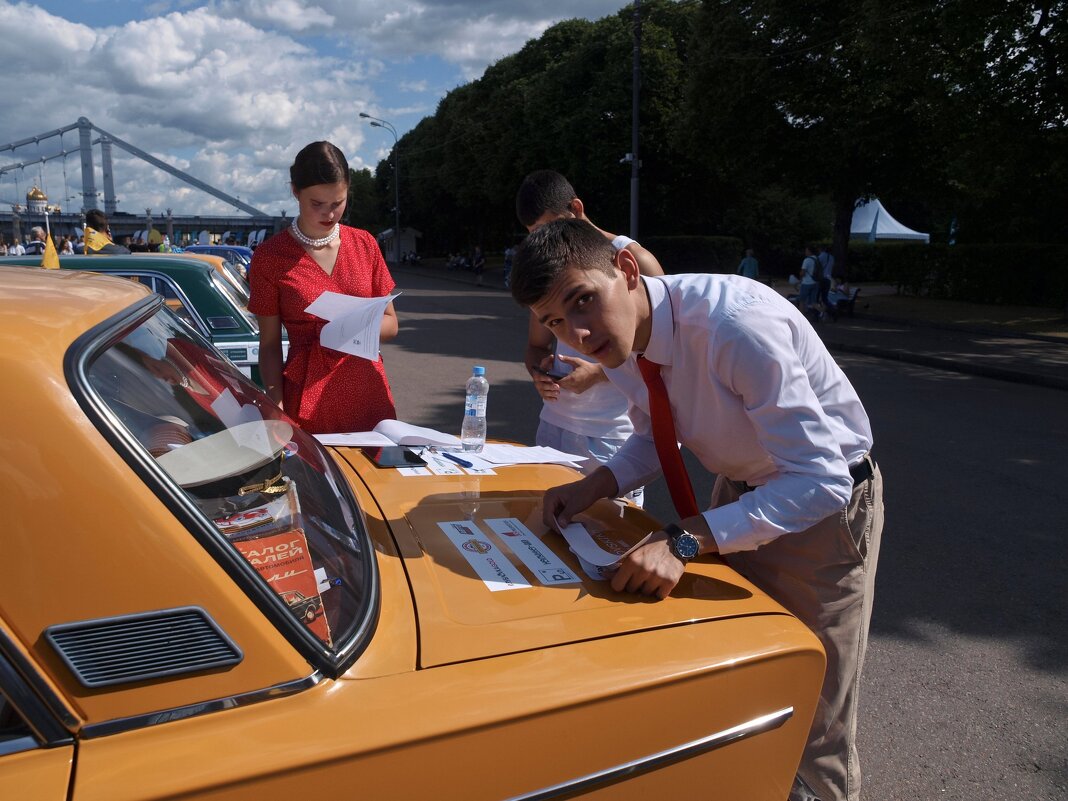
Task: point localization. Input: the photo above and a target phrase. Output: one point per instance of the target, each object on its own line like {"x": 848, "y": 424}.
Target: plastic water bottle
{"x": 473, "y": 430}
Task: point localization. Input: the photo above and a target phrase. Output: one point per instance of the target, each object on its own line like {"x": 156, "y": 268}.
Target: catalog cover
{"x": 283, "y": 560}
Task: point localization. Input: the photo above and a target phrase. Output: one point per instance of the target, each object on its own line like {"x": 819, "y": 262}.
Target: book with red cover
{"x": 284, "y": 562}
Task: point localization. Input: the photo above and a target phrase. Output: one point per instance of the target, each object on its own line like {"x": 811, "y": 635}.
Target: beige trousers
{"x": 826, "y": 577}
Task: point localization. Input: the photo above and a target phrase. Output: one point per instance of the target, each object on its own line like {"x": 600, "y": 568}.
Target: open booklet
{"x": 392, "y": 432}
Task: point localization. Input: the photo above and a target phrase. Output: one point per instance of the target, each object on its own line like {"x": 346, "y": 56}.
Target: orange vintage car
{"x": 162, "y": 515}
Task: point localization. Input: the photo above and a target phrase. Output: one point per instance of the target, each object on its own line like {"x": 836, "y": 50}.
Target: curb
{"x": 964, "y": 329}
{"x": 951, "y": 365}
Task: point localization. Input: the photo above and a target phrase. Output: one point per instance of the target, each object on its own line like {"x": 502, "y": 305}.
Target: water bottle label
{"x": 475, "y": 406}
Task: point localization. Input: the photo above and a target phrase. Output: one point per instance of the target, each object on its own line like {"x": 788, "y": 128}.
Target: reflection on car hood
{"x": 445, "y": 525}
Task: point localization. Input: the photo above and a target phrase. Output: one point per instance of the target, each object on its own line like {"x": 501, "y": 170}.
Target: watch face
{"x": 686, "y": 545}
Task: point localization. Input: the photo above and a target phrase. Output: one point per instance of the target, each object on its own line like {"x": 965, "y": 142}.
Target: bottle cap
{"x": 479, "y": 370}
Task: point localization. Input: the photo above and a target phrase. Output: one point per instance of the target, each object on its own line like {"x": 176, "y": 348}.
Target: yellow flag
{"x": 50, "y": 259}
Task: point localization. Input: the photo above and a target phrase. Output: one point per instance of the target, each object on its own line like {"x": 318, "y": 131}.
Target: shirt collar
{"x": 662, "y": 333}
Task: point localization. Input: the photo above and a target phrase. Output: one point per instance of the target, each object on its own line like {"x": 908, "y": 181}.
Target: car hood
{"x": 487, "y": 578}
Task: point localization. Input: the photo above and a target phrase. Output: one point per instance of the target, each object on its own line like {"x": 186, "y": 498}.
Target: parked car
{"x": 234, "y": 274}
{"x": 159, "y": 508}
{"x": 194, "y": 289}
{"x": 238, "y": 254}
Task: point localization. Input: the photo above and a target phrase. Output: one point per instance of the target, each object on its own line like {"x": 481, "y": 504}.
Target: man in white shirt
{"x": 582, "y": 413}
{"x": 797, "y": 506}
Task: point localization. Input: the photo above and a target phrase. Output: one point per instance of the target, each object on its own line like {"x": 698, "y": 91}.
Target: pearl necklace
{"x": 304, "y": 239}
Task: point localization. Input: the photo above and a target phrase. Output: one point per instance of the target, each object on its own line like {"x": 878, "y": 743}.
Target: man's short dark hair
{"x": 547, "y": 252}
{"x": 96, "y": 219}
{"x": 542, "y": 191}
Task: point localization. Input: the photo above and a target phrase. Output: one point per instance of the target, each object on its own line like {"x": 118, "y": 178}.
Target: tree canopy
{"x": 763, "y": 119}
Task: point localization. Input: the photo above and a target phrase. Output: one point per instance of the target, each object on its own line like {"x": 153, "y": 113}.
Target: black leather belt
{"x": 863, "y": 470}
{"x": 860, "y": 472}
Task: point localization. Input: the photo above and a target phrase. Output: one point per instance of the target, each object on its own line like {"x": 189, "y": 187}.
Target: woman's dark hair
{"x": 319, "y": 163}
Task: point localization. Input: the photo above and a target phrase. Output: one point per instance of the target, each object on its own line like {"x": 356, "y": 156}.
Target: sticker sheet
{"x": 532, "y": 552}
{"x": 488, "y": 561}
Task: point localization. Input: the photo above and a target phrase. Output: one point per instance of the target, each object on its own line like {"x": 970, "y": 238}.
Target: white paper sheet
{"x": 589, "y": 549}
{"x": 355, "y": 323}
{"x": 486, "y": 559}
{"x": 496, "y": 453}
{"x": 539, "y": 558}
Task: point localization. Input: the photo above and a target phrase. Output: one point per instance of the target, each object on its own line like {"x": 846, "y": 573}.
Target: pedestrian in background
{"x": 809, "y": 289}
{"x": 36, "y": 245}
{"x": 749, "y": 266}
{"x": 825, "y": 267}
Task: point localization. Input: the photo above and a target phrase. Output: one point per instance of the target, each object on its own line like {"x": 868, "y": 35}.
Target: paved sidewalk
{"x": 1022, "y": 358}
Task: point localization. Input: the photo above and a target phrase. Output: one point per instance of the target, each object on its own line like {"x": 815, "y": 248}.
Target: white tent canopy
{"x": 873, "y": 222}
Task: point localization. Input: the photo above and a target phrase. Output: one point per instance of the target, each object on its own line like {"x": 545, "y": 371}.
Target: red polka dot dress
{"x": 324, "y": 390}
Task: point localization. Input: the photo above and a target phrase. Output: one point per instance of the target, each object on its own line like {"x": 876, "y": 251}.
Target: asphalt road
{"x": 966, "y": 683}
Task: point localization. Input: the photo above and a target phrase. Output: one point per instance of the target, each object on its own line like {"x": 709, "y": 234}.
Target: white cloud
{"x": 231, "y": 89}
{"x": 242, "y": 99}
{"x": 469, "y": 33}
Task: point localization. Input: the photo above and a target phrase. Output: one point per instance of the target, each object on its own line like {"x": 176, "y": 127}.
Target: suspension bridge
{"x": 23, "y": 209}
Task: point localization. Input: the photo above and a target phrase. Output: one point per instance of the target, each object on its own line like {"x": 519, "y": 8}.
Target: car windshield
{"x": 241, "y": 303}
{"x": 271, "y": 492}
{"x": 236, "y": 276}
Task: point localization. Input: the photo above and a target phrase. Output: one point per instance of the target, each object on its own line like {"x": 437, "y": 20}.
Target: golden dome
{"x": 36, "y": 194}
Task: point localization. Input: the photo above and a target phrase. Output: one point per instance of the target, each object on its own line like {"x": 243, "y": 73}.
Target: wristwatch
{"x": 683, "y": 544}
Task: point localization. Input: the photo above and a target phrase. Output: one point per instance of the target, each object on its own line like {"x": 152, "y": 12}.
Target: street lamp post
{"x": 377, "y": 123}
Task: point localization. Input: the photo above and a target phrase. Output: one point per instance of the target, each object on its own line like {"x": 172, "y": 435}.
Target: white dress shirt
{"x": 755, "y": 396}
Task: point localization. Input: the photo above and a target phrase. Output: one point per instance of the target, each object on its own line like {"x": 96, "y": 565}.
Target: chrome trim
{"x": 43, "y": 710}
{"x": 198, "y": 319}
{"x": 646, "y": 764}
{"x": 118, "y": 725}
{"x": 17, "y": 746}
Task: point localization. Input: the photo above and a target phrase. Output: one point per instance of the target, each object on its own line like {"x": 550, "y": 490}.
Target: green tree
{"x": 364, "y": 205}
{"x": 829, "y": 98}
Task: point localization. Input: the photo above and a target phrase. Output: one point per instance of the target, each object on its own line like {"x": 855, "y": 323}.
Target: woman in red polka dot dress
{"x": 324, "y": 390}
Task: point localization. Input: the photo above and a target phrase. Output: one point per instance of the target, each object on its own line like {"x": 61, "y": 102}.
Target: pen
{"x": 457, "y": 459}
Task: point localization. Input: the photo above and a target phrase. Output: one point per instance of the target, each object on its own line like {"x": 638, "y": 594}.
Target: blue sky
{"x": 230, "y": 90}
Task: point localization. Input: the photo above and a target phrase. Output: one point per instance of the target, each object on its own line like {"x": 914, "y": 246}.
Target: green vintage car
{"x": 190, "y": 287}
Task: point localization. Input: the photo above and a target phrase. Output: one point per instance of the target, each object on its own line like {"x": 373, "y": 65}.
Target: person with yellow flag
{"x": 98, "y": 235}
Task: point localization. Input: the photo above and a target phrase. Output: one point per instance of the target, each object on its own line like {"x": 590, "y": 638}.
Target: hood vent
{"x": 150, "y": 645}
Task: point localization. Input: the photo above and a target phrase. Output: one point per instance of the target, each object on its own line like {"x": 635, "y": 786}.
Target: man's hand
{"x": 584, "y": 375}
{"x": 564, "y": 502}
{"x": 546, "y": 386}
{"x": 650, "y": 570}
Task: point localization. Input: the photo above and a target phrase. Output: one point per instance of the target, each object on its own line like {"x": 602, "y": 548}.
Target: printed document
{"x": 355, "y": 323}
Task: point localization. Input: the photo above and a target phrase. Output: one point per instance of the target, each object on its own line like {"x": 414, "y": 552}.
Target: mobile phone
{"x": 394, "y": 456}
{"x": 558, "y": 369}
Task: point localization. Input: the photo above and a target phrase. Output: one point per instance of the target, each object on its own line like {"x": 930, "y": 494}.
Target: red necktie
{"x": 667, "y": 444}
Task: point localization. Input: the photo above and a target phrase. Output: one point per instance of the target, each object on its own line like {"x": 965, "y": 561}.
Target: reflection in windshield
{"x": 267, "y": 486}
